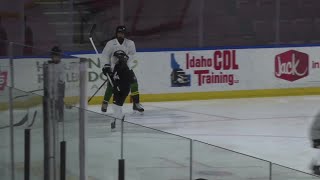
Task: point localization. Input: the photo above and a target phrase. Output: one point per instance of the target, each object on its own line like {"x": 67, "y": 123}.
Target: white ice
{"x": 274, "y": 129}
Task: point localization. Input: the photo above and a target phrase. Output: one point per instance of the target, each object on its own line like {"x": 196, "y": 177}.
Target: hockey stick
{"x": 93, "y": 28}
{"x": 33, "y": 118}
{"x": 98, "y": 90}
{"x": 95, "y": 49}
{"x": 21, "y": 122}
{"x": 27, "y": 94}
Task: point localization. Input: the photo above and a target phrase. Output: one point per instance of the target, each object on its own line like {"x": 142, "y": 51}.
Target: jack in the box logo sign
{"x": 291, "y": 65}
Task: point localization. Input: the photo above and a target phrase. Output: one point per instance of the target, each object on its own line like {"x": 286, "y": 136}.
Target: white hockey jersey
{"x": 113, "y": 45}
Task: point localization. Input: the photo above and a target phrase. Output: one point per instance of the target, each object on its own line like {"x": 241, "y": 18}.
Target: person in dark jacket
{"x": 315, "y": 143}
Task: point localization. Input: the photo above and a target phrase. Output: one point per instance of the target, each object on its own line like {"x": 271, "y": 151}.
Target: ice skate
{"x": 104, "y": 106}
{"x": 138, "y": 107}
{"x": 315, "y": 167}
{"x": 113, "y": 124}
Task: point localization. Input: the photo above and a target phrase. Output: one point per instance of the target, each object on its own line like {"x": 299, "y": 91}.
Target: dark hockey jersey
{"x": 122, "y": 78}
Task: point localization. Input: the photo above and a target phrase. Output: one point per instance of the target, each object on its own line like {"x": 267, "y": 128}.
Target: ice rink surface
{"x": 275, "y": 129}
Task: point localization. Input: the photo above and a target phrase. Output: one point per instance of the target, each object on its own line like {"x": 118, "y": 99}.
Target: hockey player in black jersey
{"x": 121, "y": 79}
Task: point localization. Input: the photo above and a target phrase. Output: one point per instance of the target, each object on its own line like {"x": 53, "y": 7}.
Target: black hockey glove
{"x": 106, "y": 70}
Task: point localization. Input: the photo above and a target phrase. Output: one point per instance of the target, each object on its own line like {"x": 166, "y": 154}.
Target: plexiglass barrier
{"x": 30, "y": 149}
{"x": 148, "y": 153}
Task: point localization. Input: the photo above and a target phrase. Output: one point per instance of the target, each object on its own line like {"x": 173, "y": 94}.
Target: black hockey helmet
{"x": 121, "y": 29}
{"x": 122, "y": 56}
{"x": 56, "y": 51}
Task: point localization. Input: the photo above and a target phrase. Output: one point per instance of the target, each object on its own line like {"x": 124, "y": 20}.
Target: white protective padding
{"x": 117, "y": 111}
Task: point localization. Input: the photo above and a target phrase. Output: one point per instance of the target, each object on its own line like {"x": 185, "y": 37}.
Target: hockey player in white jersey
{"x": 128, "y": 46}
